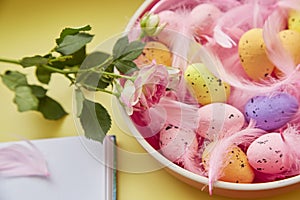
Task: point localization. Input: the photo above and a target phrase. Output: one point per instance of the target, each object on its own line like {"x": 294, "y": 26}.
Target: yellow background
{"x": 30, "y": 27}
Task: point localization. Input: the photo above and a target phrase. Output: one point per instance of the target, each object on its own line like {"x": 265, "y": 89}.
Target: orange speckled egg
{"x": 155, "y": 51}
{"x": 236, "y": 167}
{"x": 253, "y": 55}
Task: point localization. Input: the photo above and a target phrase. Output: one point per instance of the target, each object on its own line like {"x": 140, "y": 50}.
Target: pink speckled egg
{"x": 175, "y": 142}
{"x": 267, "y": 154}
{"x": 203, "y": 18}
{"x": 218, "y": 119}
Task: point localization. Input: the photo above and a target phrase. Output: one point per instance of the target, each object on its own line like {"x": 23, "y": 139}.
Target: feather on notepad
{"x": 77, "y": 171}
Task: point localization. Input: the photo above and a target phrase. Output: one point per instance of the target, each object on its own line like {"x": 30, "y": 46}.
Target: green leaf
{"x": 38, "y": 91}
{"x": 127, "y": 51}
{"x": 94, "y": 59}
{"x": 33, "y": 61}
{"x": 50, "y": 108}
{"x": 95, "y": 120}
{"x": 125, "y": 66}
{"x": 71, "y": 31}
{"x": 133, "y": 50}
{"x": 72, "y": 43}
{"x": 94, "y": 79}
{"x": 43, "y": 75}
{"x": 24, "y": 99}
{"x": 13, "y": 79}
{"x": 79, "y": 97}
{"x": 76, "y": 60}
{"x": 77, "y": 57}
{"x": 120, "y": 47}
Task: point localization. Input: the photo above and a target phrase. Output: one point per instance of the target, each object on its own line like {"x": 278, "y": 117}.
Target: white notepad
{"x": 76, "y": 172}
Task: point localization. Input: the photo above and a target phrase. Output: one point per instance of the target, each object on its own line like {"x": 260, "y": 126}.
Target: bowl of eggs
{"x": 224, "y": 117}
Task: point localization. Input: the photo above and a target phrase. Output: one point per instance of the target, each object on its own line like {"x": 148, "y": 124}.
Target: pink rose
{"x": 146, "y": 91}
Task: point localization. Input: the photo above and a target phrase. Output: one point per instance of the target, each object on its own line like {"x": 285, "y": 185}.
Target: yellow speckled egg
{"x": 204, "y": 86}
{"x": 236, "y": 168}
{"x": 156, "y": 51}
{"x": 253, "y": 56}
{"x": 291, "y": 42}
{"x": 294, "y": 21}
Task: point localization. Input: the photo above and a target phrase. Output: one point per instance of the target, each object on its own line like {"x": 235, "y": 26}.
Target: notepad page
{"x": 75, "y": 174}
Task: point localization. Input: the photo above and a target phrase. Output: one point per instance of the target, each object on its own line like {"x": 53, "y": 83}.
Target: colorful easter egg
{"x": 203, "y": 18}
{"x": 236, "y": 167}
{"x": 204, "y": 86}
{"x": 217, "y": 119}
{"x": 294, "y": 21}
{"x": 175, "y": 142}
{"x": 271, "y": 112}
{"x": 253, "y": 56}
{"x": 155, "y": 51}
{"x": 267, "y": 154}
{"x": 291, "y": 42}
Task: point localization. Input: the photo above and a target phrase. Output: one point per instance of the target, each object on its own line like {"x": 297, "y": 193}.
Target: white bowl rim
{"x": 190, "y": 175}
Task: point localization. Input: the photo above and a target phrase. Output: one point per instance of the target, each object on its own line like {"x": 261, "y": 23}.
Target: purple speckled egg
{"x": 271, "y": 112}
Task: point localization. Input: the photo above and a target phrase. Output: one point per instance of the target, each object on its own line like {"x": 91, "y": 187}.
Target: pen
{"x": 110, "y": 168}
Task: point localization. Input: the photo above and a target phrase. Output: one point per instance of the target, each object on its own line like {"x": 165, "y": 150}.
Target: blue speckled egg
{"x": 271, "y": 112}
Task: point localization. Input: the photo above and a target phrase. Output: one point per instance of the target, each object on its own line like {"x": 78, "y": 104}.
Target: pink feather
{"x": 257, "y": 20}
{"x": 167, "y": 111}
{"x": 224, "y": 5}
{"x": 178, "y": 36}
{"x": 20, "y": 160}
{"x": 275, "y": 50}
{"x": 180, "y": 114}
{"x": 181, "y": 146}
{"x": 244, "y": 89}
{"x": 221, "y": 148}
{"x": 190, "y": 159}
{"x": 231, "y": 19}
{"x": 262, "y": 9}
{"x": 174, "y": 5}
{"x": 291, "y": 4}
{"x": 291, "y": 139}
